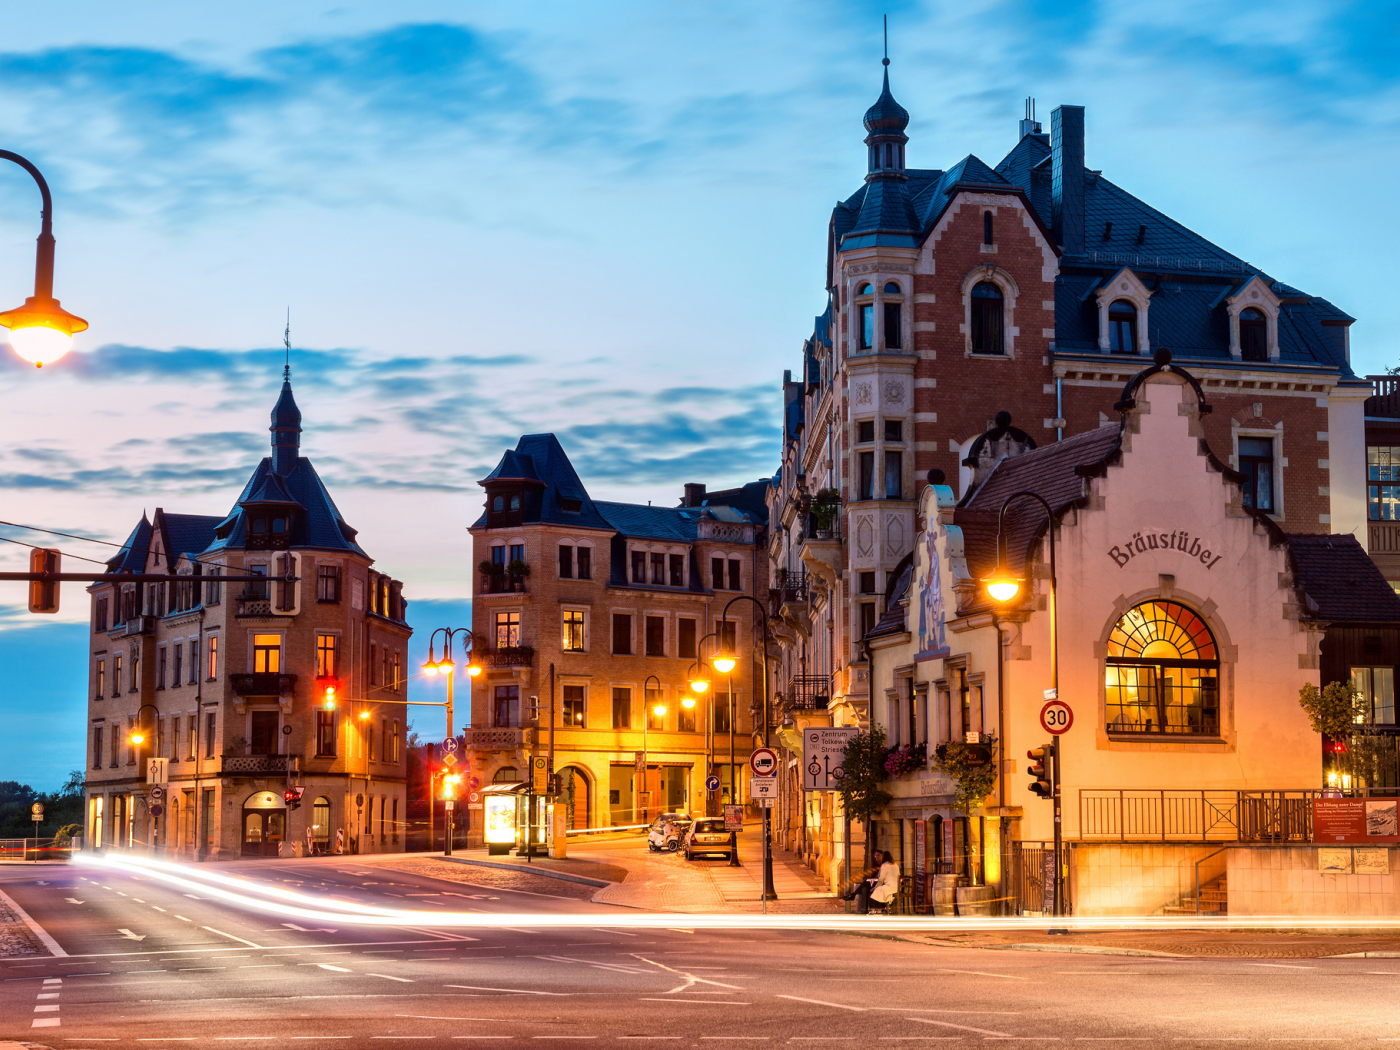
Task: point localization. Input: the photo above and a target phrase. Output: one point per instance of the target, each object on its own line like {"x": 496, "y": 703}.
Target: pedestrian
{"x": 859, "y": 890}
{"x": 886, "y": 883}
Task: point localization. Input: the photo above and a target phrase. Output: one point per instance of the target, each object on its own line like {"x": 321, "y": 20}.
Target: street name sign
{"x": 764, "y": 762}
{"x": 823, "y": 751}
{"x": 1056, "y": 717}
{"x": 763, "y": 787}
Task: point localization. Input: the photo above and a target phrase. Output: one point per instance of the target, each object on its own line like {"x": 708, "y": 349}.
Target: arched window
{"x": 892, "y": 289}
{"x": 987, "y": 228}
{"x": 865, "y": 289}
{"x": 259, "y": 526}
{"x": 1163, "y": 673}
{"x": 506, "y": 775}
{"x": 499, "y": 503}
{"x": 865, "y": 320}
{"x": 986, "y": 320}
{"x": 279, "y": 525}
{"x": 321, "y": 821}
{"x": 1254, "y": 336}
{"x": 1122, "y": 328}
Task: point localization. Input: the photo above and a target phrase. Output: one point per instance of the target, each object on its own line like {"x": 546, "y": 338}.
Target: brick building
{"x": 1042, "y": 288}
{"x": 227, "y": 682}
{"x": 603, "y": 612}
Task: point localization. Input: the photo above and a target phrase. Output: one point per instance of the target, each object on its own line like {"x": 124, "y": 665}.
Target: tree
{"x": 1340, "y": 713}
{"x": 862, "y": 781}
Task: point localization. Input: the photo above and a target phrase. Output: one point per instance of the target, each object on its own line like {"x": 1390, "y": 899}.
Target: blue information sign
{"x": 712, "y": 783}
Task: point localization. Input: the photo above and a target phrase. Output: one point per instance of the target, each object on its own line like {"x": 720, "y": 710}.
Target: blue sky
{"x": 603, "y": 219}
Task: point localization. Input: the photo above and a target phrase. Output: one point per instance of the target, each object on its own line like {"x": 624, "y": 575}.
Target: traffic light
{"x": 449, "y": 786}
{"x": 1041, "y": 760}
{"x": 329, "y": 700}
{"x": 292, "y": 797}
{"x": 43, "y": 594}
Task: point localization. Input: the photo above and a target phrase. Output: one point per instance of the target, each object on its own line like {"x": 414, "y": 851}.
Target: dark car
{"x": 709, "y": 837}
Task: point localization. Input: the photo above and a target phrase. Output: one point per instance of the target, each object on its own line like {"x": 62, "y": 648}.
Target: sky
{"x": 606, "y": 219}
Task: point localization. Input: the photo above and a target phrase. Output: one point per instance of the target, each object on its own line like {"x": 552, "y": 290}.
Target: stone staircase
{"x": 1215, "y": 897}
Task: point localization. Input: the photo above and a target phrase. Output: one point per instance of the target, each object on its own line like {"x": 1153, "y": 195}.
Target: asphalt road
{"x": 148, "y": 966}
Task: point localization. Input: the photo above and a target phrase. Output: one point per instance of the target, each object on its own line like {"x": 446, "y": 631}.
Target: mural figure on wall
{"x": 931, "y": 631}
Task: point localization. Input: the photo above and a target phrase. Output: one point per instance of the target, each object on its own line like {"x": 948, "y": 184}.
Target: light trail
{"x": 253, "y": 895}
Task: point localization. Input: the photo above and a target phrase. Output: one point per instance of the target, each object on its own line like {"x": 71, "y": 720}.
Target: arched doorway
{"x": 264, "y": 824}
{"x": 576, "y": 794}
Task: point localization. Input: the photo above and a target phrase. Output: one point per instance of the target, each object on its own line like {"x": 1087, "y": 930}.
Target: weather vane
{"x": 287, "y": 344}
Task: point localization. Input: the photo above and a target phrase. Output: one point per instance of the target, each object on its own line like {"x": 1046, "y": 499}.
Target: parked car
{"x": 667, "y": 832}
{"x": 709, "y": 837}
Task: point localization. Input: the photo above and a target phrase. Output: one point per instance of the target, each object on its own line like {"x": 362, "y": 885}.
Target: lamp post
{"x": 136, "y": 737}
{"x": 647, "y": 710}
{"x": 447, "y": 667}
{"x": 41, "y": 330}
{"x": 1003, "y": 586}
{"x": 724, "y": 663}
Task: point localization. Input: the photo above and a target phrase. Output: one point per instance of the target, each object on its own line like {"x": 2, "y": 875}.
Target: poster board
{"x": 1356, "y": 820}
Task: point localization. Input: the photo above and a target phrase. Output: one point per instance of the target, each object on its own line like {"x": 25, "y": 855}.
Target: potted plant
{"x": 973, "y": 769}
{"x": 492, "y": 568}
{"x": 518, "y": 568}
{"x": 824, "y": 507}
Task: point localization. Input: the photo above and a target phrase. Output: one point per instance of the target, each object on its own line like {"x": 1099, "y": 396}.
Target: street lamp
{"x": 1003, "y": 586}
{"x": 447, "y": 665}
{"x": 659, "y": 709}
{"x": 724, "y": 661}
{"x": 136, "y": 736}
{"x": 41, "y": 330}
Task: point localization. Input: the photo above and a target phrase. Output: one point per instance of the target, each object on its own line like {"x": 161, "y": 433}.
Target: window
{"x": 894, "y": 430}
{"x": 193, "y": 732}
{"x": 1383, "y": 477}
{"x": 212, "y": 649}
{"x": 325, "y": 656}
{"x": 867, "y": 618}
{"x": 1122, "y": 327}
{"x": 727, "y": 634}
{"x": 865, "y": 431}
{"x": 986, "y": 319}
{"x": 99, "y": 616}
{"x": 328, "y": 583}
{"x": 717, "y": 573}
{"x": 1377, "y": 685}
{"x": 639, "y": 567}
{"x": 1254, "y": 336}
{"x": 210, "y": 724}
{"x": 515, "y": 501}
{"x": 507, "y": 705}
{"x": 213, "y": 591}
{"x": 987, "y": 228}
{"x": 177, "y": 672}
{"x": 256, "y": 588}
{"x": 397, "y": 680}
{"x": 394, "y": 749}
{"x": 585, "y": 563}
{"x": 267, "y": 653}
{"x": 573, "y": 630}
{"x": 373, "y": 664}
{"x": 677, "y": 562}
{"x": 685, "y": 719}
{"x": 160, "y": 739}
{"x": 573, "y": 706}
{"x": 498, "y": 554}
{"x": 723, "y": 708}
{"x": 867, "y": 475}
{"x": 894, "y": 476}
{"x": 135, "y": 672}
{"x": 1257, "y": 466}
{"x": 655, "y": 722}
{"x": 735, "y": 579}
{"x": 566, "y": 562}
{"x": 656, "y": 635}
{"x": 507, "y": 630}
{"x": 892, "y": 333}
{"x": 1162, "y": 672}
{"x": 685, "y": 639}
{"x": 867, "y": 583}
{"x": 867, "y": 326}
{"x": 622, "y": 708}
{"x": 571, "y": 506}
{"x": 263, "y": 726}
{"x": 658, "y": 570}
{"x": 517, "y": 550}
{"x": 97, "y": 747}
{"x": 160, "y": 668}
{"x": 622, "y": 634}
{"x": 101, "y": 679}
{"x": 194, "y": 661}
{"x": 325, "y": 734}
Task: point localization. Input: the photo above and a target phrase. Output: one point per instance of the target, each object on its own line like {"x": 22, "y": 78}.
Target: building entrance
{"x": 264, "y": 824}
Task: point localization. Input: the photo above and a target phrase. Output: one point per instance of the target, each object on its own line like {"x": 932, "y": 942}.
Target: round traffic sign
{"x": 473, "y": 797}
{"x": 764, "y": 762}
{"x": 37, "y": 809}
{"x": 157, "y": 793}
{"x": 1056, "y": 717}
{"x": 475, "y": 782}
{"x": 157, "y": 810}
{"x": 450, "y": 744}
{"x": 712, "y": 783}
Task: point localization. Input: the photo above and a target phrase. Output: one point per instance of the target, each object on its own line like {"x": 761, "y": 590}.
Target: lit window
{"x": 573, "y": 630}
{"x": 267, "y": 653}
{"x": 1377, "y": 686}
{"x": 573, "y": 705}
{"x": 507, "y": 630}
{"x": 1162, "y": 674}
{"x": 325, "y": 656}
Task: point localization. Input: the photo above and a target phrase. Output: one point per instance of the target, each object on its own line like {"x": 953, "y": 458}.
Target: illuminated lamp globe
{"x": 687, "y": 702}
{"x": 364, "y": 714}
{"x": 430, "y": 669}
{"x": 1002, "y": 584}
{"x": 136, "y": 737}
{"x": 473, "y": 669}
{"x": 699, "y": 685}
{"x": 41, "y": 330}
{"x": 659, "y": 710}
{"x": 723, "y": 662}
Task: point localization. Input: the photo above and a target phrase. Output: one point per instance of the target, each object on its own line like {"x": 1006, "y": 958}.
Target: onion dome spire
{"x": 885, "y": 121}
{"x": 286, "y": 419}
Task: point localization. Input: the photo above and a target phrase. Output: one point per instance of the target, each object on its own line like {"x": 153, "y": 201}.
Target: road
{"x": 150, "y": 966}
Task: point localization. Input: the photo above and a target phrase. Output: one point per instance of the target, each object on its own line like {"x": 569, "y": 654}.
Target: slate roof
{"x": 319, "y": 523}
{"x": 187, "y": 534}
{"x": 897, "y": 606}
{"x": 132, "y": 557}
{"x": 1340, "y": 580}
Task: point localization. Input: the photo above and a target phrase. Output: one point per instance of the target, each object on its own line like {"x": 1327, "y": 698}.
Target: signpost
{"x": 823, "y": 751}
{"x": 539, "y": 774}
{"x": 36, "y": 813}
{"x": 1055, "y": 718}
{"x": 450, "y": 744}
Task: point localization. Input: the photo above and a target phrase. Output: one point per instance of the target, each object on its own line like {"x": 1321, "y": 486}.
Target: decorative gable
{"x": 1127, "y": 287}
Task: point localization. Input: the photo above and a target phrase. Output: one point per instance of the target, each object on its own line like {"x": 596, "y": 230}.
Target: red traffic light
{"x": 1041, "y": 757}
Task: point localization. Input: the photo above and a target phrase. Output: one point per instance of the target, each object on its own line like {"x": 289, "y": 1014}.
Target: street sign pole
{"x": 1059, "y": 842}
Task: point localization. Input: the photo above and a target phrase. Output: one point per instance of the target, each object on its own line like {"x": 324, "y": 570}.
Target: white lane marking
{"x": 328, "y": 966}
{"x": 44, "y": 1022}
{"x": 138, "y": 900}
{"x": 822, "y": 1002}
{"x": 563, "y": 1037}
{"x": 182, "y": 919}
{"x": 979, "y": 973}
{"x": 74, "y": 900}
{"x": 190, "y": 895}
{"x": 966, "y": 1028}
{"x": 129, "y": 935}
{"x": 53, "y": 980}
{"x": 303, "y": 929}
{"x": 47, "y": 1008}
{"x": 157, "y": 907}
{"x": 400, "y": 1037}
{"x": 518, "y": 991}
{"x": 590, "y": 962}
{"x": 231, "y": 937}
{"x": 704, "y": 1002}
{"x": 629, "y": 1037}
{"x": 619, "y": 933}
{"x": 386, "y": 977}
{"x": 259, "y": 966}
{"x": 690, "y": 979}
{"x": 1284, "y": 966}
{"x": 34, "y": 928}
{"x": 755, "y": 1038}
{"x": 47, "y": 995}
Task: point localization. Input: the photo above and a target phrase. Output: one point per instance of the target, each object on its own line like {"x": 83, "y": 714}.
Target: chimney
{"x": 694, "y": 494}
{"x": 1067, "y": 177}
{"x": 1029, "y": 125}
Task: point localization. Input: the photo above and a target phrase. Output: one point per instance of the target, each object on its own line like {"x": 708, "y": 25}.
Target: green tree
{"x": 1340, "y": 713}
{"x": 861, "y": 783}
{"x": 975, "y": 778}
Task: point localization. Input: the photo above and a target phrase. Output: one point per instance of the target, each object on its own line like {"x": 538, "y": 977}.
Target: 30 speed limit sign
{"x": 1056, "y": 717}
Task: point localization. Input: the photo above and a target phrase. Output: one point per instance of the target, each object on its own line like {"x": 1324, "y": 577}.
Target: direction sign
{"x": 1056, "y": 717}
{"x": 823, "y": 751}
{"x": 37, "y": 809}
{"x": 157, "y": 810}
{"x": 450, "y": 744}
{"x": 764, "y": 762}
{"x": 157, "y": 793}
{"x": 712, "y": 783}
{"x": 763, "y": 787}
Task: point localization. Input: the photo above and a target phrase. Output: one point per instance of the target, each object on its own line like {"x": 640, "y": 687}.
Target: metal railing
{"x": 33, "y": 849}
{"x": 1170, "y": 263}
{"x": 509, "y": 656}
{"x": 1168, "y": 815}
{"x": 245, "y": 765}
{"x": 1383, "y": 537}
{"x": 808, "y": 692}
{"x": 263, "y": 684}
{"x": 499, "y": 738}
{"x": 252, "y": 606}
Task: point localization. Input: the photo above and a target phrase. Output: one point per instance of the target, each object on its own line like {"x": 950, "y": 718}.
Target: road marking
{"x": 259, "y": 966}
{"x": 561, "y": 1037}
{"x": 129, "y": 935}
{"x": 46, "y": 1008}
{"x": 965, "y": 1028}
{"x": 74, "y": 900}
{"x": 386, "y": 977}
{"x": 705, "y": 1002}
{"x": 53, "y": 980}
{"x": 400, "y": 1037}
{"x": 157, "y": 907}
{"x": 239, "y": 1038}
{"x": 1284, "y": 966}
{"x": 756, "y": 1038}
{"x": 231, "y": 937}
{"x": 979, "y": 973}
{"x": 190, "y": 895}
{"x": 518, "y": 991}
{"x": 182, "y": 918}
{"x": 138, "y": 900}
{"x": 822, "y": 1002}
{"x": 34, "y": 927}
{"x": 47, "y": 995}
{"x": 328, "y": 966}
{"x": 44, "y": 1022}
{"x": 618, "y": 933}
{"x": 629, "y": 1037}
{"x": 168, "y": 1039}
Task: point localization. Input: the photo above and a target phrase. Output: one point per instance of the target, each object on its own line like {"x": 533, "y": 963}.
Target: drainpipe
{"x": 201, "y": 823}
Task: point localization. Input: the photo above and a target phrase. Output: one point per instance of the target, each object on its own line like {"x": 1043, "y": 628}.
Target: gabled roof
{"x": 267, "y": 487}
{"x": 184, "y": 535}
{"x": 1341, "y": 581}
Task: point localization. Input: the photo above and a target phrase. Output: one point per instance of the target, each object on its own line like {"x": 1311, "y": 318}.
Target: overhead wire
{"x": 35, "y": 546}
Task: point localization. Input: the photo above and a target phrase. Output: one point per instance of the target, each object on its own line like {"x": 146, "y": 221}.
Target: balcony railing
{"x": 808, "y": 692}
{"x": 263, "y": 684}
{"x": 502, "y": 584}
{"x": 789, "y": 586}
{"x": 500, "y": 738}
{"x": 508, "y": 656}
{"x": 1132, "y": 815}
{"x": 253, "y": 765}
{"x": 253, "y": 606}
{"x": 1384, "y": 537}
{"x": 136, "y": 625}
{"x": 1385, "y": 397}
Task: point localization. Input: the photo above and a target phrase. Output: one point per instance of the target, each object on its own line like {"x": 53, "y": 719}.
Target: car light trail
{"x": 267, "y": 899}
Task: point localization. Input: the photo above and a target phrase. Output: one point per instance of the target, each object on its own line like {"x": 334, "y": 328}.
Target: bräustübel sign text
{"x": 1178, "y": 540}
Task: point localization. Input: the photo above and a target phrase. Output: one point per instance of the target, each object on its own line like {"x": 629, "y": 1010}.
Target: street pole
{"x": 762, "y": 641}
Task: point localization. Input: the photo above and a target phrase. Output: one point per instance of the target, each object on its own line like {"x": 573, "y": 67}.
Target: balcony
{"x": 259, "y": 765}
{"x": 508, "y": 656}
{"x": 789, "y": 588}
{"x": 500, "y": 738}
{"x": 263, "y": 684}
{"x": 808, "y": 692}
{"x": 1384, "y": 537}
{"x": 136, "y": 625}
{"x": 1384, "y": 401}
{"x": 253, "y": 605}
{"x": 502, "y": 584}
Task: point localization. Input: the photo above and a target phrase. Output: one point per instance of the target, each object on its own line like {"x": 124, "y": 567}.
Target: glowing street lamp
{"x": 1002, "y": 584}
{"x": 723, "y": 661}
{"x": 41, "y": 330}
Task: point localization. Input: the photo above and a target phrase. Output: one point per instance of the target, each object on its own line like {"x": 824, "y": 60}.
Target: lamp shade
{"x": 723, "y": 661}
{"x": 41, "y": 330}
{"x": 1002, "y": 584}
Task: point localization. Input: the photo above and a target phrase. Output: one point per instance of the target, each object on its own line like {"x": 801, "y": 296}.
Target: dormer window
{"x": 279, "y": 526}
{"x": 1122, "y": 327}
{"x": 987, "y": 319}
{"x": 1254, "y": 335}
{"x": 515, "y": 501}
{"x": 259, "y": 526}
{"x": 498, "y": 504}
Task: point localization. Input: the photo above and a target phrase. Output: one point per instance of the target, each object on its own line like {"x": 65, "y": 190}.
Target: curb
{"x": 563, "y": 876}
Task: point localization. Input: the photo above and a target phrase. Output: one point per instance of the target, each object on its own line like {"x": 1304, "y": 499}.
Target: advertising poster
{"x": 733, "y": 818}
